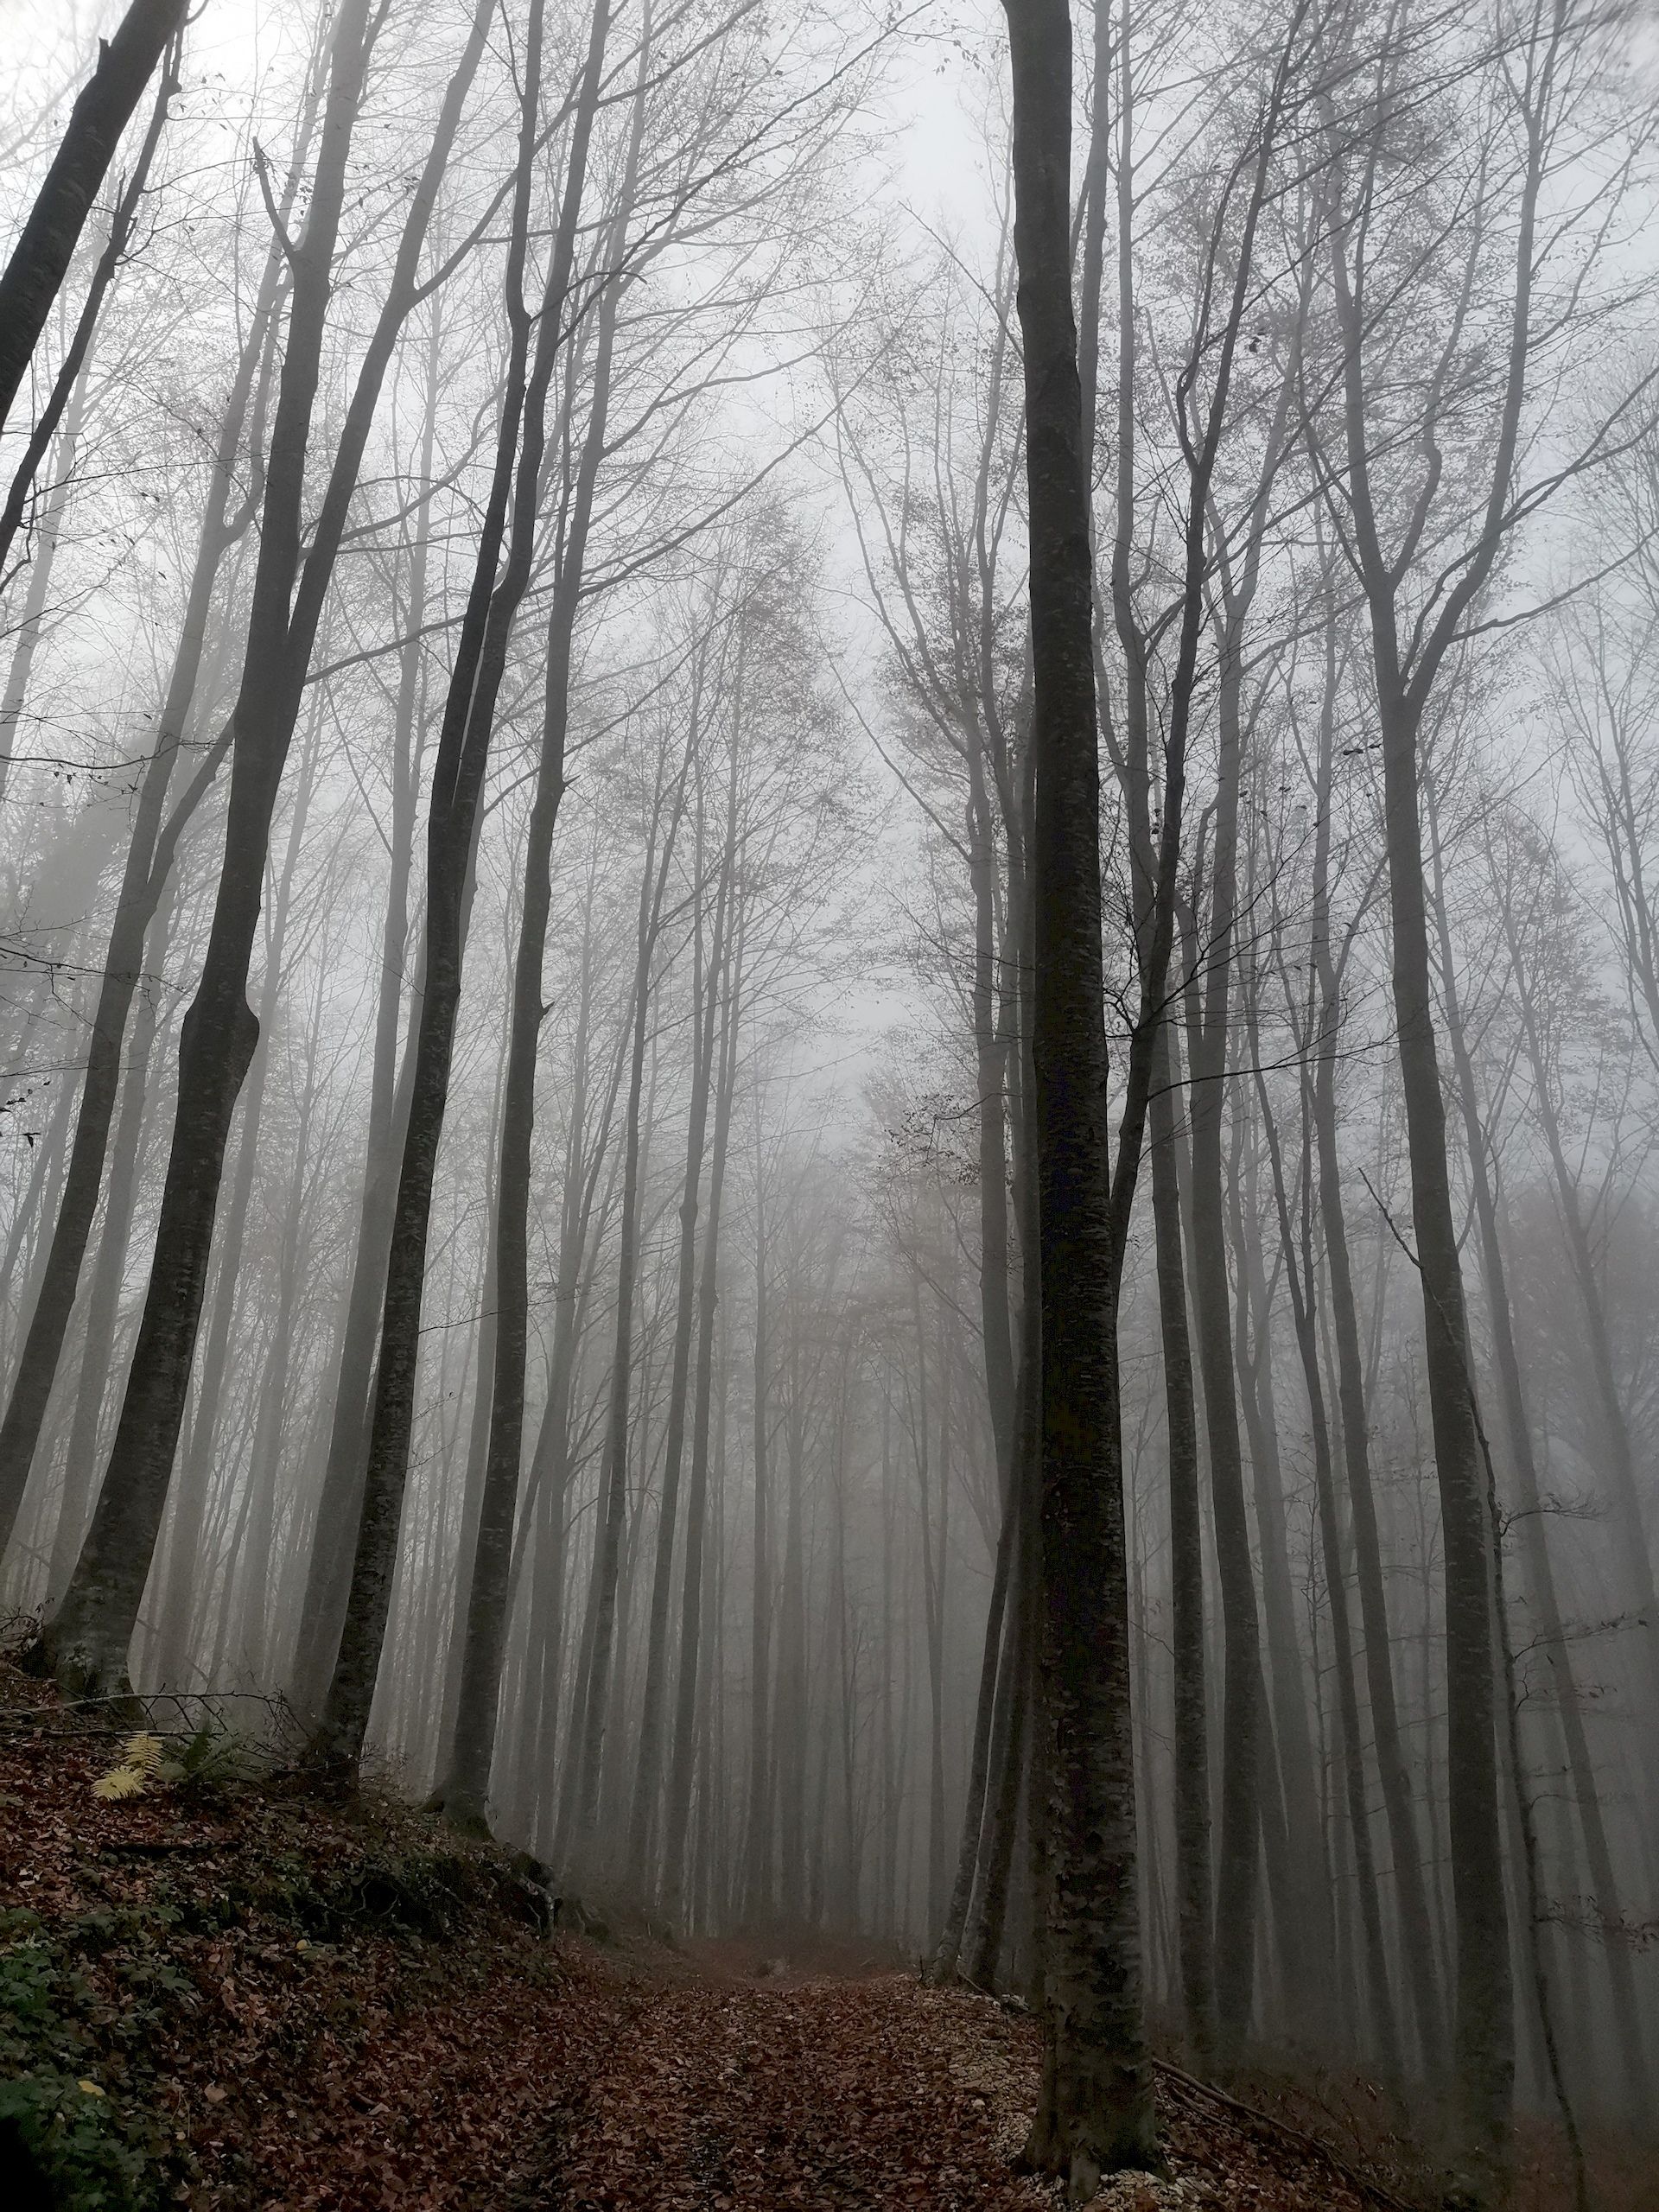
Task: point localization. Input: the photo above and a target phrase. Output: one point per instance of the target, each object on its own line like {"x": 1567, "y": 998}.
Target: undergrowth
{"x": 90, "y": 2006}
{"x": 82, "y": 2007}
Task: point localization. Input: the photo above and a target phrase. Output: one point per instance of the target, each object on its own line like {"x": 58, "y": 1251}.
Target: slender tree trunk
{"x": 591, "y": 1724}
{"x": 466, "y": 1789}
{"x": 691, "y": 1687}
{"x": 339, "y": 1500}
{"x": 758, "y": 1883}
{"x": 791, "y": 1716}
{"x": 1353, "y": 1402}
{"x": 1209, "y": 992}
{"x": 1530, "y": 1516}
{"x": 1304, "y": 1937}
{"x": 457, "y": 785}
{"x": 1300, "y": 1279}
{"x": 1194, "y": 1925}
{"x": 705, "y": 996}
{"x": 109, "y": 1271}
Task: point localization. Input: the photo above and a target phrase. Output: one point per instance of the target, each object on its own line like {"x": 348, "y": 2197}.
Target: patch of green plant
{"x": 79, "y": 2082}
{"x": 202, "y": 1764}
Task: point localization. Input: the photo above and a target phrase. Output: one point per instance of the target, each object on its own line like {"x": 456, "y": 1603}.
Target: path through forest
{"x": 225, "y": 1993}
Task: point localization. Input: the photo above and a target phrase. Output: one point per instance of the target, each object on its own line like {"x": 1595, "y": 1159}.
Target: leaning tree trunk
{"x": 457, "y": 787}
{"x": 351, "y": 1360}
{"x": 146, "y": 873}
{"x": 40, "y": 260}
{"x": 69, "y": 368}
{"x": 89, "y": 1634}
{"x": 466, "y": 1788}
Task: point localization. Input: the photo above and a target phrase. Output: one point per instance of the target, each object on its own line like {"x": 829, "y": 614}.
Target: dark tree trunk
{"x": 466, "y": 1789}
{"x": 69, "y": 368}
{"x": 109, "y": 1272}
{"x": 1352, "y": 1400}
{"x": 1485, "y": 2008}
{"x": 339, "y": 1498}
{"x": 1193, "y": 1922}
{"x": 89, "y": 1634}
{"x": 1096, "y": 2111}
{"x": 457, "y": 785}
{"x": 40, "y": 260}
{"x": 146, "y": 870}
{"x": 168, "y": 1652}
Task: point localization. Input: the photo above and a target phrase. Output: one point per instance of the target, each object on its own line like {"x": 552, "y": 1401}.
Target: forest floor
{"x": 224, "y": 1994}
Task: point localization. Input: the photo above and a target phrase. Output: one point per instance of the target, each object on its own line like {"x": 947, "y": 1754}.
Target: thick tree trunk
{"x": 202, "y": 1458}
{"x": 69, "y": 369}
{"x": 40, "y": 260}
{"x": 1096, "y": 2114}
{"x": 89, "y": 1634}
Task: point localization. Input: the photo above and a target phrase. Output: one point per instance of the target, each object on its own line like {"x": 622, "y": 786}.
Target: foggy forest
{"x": 830, "y": 1104}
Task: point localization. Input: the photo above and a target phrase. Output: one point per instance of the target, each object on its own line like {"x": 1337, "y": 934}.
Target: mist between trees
{"x": 655, "y": 790}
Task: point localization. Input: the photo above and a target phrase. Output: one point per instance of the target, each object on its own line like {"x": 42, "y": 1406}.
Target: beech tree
{"x": 642, "y": 773}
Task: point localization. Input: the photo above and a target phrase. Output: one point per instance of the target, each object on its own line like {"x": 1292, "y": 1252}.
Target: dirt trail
{"x": 249, "y": 2000}
{"x": 861, "y": 2094}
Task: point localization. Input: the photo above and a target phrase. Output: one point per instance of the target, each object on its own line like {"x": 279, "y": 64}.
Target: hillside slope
{"x": 226, "y": 1995}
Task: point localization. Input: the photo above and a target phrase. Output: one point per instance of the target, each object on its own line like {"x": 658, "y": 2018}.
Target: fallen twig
{"x": 1378, "y": 2191}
